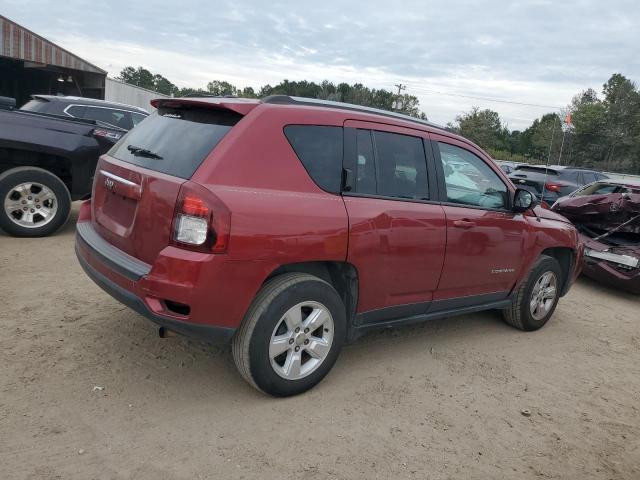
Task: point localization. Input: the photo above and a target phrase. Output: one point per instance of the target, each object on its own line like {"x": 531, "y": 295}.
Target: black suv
{"x": 109, "y": 113}
{"x": 557, "y": 182}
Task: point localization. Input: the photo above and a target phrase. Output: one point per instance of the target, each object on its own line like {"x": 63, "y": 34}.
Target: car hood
{"x": 549, "y": 215}
{"x": 602, "y": 212}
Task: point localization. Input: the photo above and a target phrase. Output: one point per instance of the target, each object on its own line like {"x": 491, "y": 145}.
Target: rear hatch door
{"x": 138, "y": 181}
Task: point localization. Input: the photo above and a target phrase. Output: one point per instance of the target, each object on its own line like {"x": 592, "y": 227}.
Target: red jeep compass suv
{"x": 289, "y": 226}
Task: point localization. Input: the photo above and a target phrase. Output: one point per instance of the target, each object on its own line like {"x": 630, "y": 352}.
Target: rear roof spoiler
{"x": 237, "y": 105}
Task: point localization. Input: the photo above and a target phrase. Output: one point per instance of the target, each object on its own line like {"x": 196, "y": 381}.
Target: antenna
{"x": 546, "y": 170}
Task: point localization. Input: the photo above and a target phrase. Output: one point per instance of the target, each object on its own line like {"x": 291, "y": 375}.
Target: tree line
{"x": 600, "y": 131}
{"x": 357, "y": 93}
{"x": 594, "y": 131}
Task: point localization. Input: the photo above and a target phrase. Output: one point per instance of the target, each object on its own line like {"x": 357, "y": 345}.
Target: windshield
{"x": 606, "y": 188}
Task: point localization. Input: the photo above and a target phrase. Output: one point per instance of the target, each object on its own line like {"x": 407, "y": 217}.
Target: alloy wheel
{"x": 543, "y": 295}
{"x": 31, "y": 205}
{"x": 301, "y": 340}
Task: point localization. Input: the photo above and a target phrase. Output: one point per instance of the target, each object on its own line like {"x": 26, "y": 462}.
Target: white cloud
{"x": 525, "y": 51}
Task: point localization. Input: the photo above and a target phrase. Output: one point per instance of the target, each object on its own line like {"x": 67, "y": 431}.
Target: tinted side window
{"x": 76, "y": 111}
{"x": 469, "y": 180}
{"x": 570, "y": 177}
{"x": 365, "y": 164}
{"x": 137, "y": 118}
{"x": 402, "y": 166}
{"x": 589, "y": 177}
{"x": 118, "y": 118}
{"x": 319, "y": 148}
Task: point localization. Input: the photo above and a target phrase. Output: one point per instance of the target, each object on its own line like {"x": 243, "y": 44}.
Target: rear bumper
{"x": 104, "y": 266}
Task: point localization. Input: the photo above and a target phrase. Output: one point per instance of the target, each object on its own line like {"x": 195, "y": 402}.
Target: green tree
{"x": 221, "y": 88}
{"x": 164, "y": 86}
{"x": 483, "y": 127}
{"x": 140, "y": 77}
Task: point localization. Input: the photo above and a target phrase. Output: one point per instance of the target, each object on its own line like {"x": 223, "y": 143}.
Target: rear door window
{"x": 175, "y": 141}
{"x": 589, "y": 177}
{"x": 136, "y": 118}
{"x": 319, "y": 148}
{"x": 402, "y": 165}
{"x": 573, "y": 177}
{"x": 391, "y": 165}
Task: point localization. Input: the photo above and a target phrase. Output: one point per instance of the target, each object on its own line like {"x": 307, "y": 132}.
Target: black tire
{"x": 519, "y": 315}
{"x": 251, "y": 342}
{"x": 16, "y": 176}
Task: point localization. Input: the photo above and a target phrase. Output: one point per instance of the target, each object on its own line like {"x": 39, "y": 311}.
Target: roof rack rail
{"x": 205, "y": 95}
{"x": 314, "y": 102}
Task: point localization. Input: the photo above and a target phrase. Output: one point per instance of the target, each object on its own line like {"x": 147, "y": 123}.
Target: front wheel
{"x": 537, "y": 297}
{"x": 291, "y": 335}
{"x": 35, "y": 202}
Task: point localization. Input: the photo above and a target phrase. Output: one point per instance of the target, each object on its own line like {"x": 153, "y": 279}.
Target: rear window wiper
{"x": 143, "y": 152}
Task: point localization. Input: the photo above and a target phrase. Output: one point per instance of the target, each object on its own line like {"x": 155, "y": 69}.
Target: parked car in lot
{"x": 48, "y": 157}
{"x": 607, "y": 215}
{"x": 507, "y": 167}
{"x": 289, "y": 226}
{"x": 554, "y": 181}
{"x": 114, "y": 114}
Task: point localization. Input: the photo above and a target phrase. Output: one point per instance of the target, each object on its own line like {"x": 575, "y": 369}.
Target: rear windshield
{"x": 36, "y": 105}
{"x": 175, "y": 141}
{"x": 540, "y": 170}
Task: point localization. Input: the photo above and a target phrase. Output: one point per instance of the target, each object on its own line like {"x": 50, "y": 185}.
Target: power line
{"x": 486, "y": 99}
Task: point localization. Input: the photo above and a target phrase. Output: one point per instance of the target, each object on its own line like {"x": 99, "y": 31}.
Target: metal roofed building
{"x": 31, "y": 64}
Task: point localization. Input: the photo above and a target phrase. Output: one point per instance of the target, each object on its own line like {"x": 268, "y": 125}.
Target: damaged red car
{"x": 607, "y": 215}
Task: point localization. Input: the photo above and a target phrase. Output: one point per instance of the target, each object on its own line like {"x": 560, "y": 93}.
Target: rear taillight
{"x": 202, "y": 221}
{"x": 105, "y": 133}
{"x": 552, "y": 187}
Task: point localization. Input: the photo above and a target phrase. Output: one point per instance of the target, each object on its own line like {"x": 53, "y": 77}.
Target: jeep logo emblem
{"x": 109, "y": 184}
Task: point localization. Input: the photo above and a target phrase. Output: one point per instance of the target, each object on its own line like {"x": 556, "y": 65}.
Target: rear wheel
{"x": 291, "y": 335}
{"x": 537, "y": 297}
{"x": 35, "y": 202}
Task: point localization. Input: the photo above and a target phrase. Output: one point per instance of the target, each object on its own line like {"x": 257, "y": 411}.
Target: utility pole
{"x": 397, "y": 104}
{"x": 564, "y": 132}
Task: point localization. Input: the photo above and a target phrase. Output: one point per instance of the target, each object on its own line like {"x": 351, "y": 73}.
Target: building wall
{"x": 21, "y": 44}
{"x": 116, "y": 91}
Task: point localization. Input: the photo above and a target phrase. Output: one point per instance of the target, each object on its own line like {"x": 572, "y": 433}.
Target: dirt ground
{"x": 442, "y": 400}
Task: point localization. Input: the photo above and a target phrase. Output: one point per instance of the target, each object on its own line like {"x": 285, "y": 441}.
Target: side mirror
{"x": 523, "y": 200}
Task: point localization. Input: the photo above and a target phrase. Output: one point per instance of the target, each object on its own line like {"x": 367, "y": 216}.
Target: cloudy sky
{"x": 528, "y": 51}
